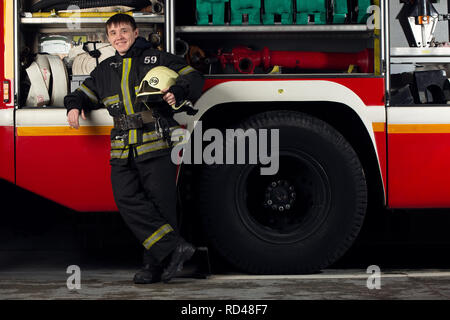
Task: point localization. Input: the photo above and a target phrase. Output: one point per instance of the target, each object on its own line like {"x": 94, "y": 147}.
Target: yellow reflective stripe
{"x": 119, "y": 154}
{"x": 136, "y": 89}
{"x": 152, "y": 146}
{"x": 151, "y": 142}
{"x": 157, "y": 235}
{"x": 125, "y": 86}
{"x": 117, "y": 144}
{"x": 91, "y": 95}
{"x": 111, "y": 100}
{"x": 186, "y": 70}
{"x": 153, "y": 150}
{"x": 114, "y": 97}
{"x": 153, "y": 135}
{"x": 149, "y": 136}
{"x": 174, "y": 107}
{"x": 132, "y": 136}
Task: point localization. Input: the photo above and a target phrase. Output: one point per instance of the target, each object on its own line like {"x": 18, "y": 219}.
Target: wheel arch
{"x": 342, "y": 117}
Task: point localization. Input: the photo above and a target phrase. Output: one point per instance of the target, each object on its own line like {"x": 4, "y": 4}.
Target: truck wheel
{"x": 299, "y": 220}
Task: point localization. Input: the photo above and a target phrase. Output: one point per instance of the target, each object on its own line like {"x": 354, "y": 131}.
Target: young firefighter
{"x": 142, "y": 173}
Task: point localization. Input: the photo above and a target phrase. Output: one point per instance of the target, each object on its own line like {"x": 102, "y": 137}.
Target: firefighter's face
{"x": 122, "y": 36}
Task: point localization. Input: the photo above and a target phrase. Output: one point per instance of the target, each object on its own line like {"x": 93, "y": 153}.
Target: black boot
{"x": 148, "y": 274}
{"x": 182, "y": 252}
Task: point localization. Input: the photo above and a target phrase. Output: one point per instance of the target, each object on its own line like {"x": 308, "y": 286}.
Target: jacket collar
{"x": 139, "y": 45}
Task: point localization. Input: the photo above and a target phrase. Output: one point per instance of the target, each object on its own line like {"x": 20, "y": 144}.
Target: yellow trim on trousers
{"x": 157, "y": 235}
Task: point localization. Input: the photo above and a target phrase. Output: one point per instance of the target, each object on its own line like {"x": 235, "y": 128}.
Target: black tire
{"x": 320, "y": 166}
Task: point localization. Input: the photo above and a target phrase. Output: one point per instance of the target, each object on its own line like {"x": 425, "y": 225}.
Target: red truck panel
{"x": 71, "y": 170}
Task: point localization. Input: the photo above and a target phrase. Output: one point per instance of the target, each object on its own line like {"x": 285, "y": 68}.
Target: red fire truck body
{"x": 404, "y": 150}
{"x": 77, "y": 160}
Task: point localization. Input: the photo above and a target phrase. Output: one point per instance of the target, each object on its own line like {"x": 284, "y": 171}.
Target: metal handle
{"x": 170, "y": 26}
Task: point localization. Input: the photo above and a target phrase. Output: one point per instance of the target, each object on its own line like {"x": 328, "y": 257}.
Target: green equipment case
{"x": 284, "y": 8}
{"x": 249, "y": 8}
{"x": 363, "y": 5}
{"x": 340, "y": 11}
{"x": 213, "y": 8}
{"x": 311, "y": 8}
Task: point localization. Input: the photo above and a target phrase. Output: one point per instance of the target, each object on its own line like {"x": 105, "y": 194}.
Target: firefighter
{"x": 142, "y": 173}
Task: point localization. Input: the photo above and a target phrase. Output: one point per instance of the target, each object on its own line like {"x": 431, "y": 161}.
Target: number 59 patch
{"x": 150, "y": 59}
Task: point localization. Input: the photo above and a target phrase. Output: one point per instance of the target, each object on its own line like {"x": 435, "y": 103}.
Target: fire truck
{"x": 357, "y": 89}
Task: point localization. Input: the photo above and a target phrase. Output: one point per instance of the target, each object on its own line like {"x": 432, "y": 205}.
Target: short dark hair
{"x": 120, "y": 18}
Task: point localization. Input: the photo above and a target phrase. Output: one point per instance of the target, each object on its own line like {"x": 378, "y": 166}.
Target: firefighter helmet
{"x": 157, "y": 79}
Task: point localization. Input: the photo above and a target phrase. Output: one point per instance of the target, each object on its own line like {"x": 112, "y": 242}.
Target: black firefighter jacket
{"x": 115, "y": 82}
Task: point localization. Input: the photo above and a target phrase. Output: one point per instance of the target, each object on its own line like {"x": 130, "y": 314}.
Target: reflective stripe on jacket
{"x": 114, "y": 84}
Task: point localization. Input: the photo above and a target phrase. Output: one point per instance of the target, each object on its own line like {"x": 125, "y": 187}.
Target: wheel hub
{"x": 280, "y": 196}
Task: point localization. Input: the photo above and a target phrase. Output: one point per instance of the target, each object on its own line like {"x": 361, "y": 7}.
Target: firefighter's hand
{"x": 169, "y": 97}
{"x": 72, "y": 118}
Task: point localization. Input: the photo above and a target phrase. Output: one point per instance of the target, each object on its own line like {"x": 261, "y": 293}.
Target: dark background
{"x": 34, "y": 230}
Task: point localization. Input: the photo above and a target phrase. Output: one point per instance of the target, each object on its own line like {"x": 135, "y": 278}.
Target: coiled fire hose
{"x": 49, "y": 81}
{"x": 85, "y": 58}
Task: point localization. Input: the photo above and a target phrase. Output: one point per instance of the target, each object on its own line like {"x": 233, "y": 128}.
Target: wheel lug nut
{"x": 274, "y": 184}
{"x": 269, "y": 202}
{"x": 288, "y": 206}
{"x": 281, "y": 208}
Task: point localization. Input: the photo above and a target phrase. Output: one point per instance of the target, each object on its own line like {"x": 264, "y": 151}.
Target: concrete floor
{"x": 39, "y": 240}
{"x": 42, "y": 275}
{"x": 104, "y": 283}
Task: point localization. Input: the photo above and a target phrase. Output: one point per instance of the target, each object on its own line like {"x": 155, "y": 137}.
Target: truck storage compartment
{"x": 256, "y": 12}
{"x": 288, "y": 37}
{"x": 59, "y": 47}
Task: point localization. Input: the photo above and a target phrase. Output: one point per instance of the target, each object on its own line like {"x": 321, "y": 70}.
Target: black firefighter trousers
{"x": 145, "y": 194}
